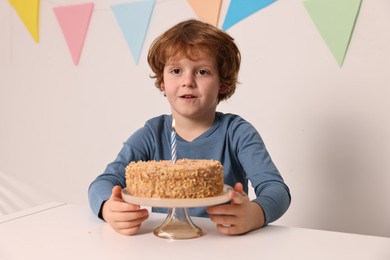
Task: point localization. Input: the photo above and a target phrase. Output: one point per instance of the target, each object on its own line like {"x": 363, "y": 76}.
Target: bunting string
{"x": 11, "y": 37}
{"x": 133, "y": 18}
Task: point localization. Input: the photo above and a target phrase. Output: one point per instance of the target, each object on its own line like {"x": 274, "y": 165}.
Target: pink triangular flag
{"x": 74, "y": 22}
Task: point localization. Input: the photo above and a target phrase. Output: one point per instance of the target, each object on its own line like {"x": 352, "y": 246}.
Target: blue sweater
{"x": 231, "y": 140}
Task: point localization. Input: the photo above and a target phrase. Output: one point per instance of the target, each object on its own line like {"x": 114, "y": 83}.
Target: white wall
{"x": 327, "y": 128}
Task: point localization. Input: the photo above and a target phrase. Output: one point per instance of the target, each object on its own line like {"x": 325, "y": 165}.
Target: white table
{"x": 67, "y": 231}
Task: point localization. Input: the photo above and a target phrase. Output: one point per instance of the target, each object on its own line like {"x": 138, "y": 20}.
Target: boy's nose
{"x": 188, "y": 80}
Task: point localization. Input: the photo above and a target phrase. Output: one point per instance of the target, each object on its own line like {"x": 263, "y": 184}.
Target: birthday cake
{"x": 180, "y": 180}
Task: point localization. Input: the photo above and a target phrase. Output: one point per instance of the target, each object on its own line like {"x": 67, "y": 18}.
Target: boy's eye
{"x": 202, "y": 72}
{"x": 175, "y": 71}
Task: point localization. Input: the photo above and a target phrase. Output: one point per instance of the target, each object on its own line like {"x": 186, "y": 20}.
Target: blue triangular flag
{"x": 133, "y": 19}
{"x": 239, "y": 10}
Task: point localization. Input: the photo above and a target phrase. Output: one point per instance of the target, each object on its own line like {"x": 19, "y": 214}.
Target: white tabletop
{"x": 67, "y": 231}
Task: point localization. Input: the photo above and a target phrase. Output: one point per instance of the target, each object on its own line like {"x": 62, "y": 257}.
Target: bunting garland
{"x": 334, "y": 19}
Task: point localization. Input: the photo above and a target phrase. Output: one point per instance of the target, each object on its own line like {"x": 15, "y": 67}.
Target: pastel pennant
{"x": 335, "y": 20}
{"x": 133, "y": 19}
{"x": 239, "y": 10}
{"x": 74, "y": 21}
{"x": 207, "y": 10}
{"x": 28, "y": 11}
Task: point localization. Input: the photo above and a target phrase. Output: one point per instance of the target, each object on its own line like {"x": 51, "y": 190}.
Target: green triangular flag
{"x": 335, "y": 20}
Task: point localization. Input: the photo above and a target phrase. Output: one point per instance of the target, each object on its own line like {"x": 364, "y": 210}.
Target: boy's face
{"x": 192, "y": 86}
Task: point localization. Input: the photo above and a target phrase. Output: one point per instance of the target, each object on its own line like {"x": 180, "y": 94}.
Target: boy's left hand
{"x": 238, "y": 217}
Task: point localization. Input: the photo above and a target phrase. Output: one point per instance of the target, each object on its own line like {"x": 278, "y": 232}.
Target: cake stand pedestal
{"x": 178, "y": 224}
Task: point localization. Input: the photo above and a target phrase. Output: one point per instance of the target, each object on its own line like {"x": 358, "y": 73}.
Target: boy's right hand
{"x": 123, "y": 217}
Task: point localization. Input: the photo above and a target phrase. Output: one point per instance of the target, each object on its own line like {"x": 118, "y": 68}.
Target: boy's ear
{"x": 162, "y": 87}
{"x": 222, "y": 90}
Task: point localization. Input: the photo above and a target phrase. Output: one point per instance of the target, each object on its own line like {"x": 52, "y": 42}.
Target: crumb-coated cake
{"x": 181, "y": 180}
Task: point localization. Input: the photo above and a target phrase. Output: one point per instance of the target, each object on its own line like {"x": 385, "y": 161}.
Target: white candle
{"x": 173, "y": 142}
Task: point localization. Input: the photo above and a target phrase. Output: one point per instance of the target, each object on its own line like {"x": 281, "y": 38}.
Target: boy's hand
{"x": 238, "y": 217}
{"x": 123, "y": 217}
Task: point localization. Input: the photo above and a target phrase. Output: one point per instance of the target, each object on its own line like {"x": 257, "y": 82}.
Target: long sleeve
{"x": 252, "y": 162}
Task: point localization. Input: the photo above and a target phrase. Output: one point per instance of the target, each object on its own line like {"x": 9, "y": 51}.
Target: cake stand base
{"x": 178, "y": 225}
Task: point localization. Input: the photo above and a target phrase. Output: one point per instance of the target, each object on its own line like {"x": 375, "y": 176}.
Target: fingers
{"x": 129, "y": 223}
{"x": 239, "y": 187}
{"x": 225, "y": 209}
{"x": 118, "y": 215}
{"x": 238, "y": 196}
{"x": 128, "y": 231}
{"x": 116, "y": 198}
{"x": 125, "y": 218}
{"x": 116, "y": 193}
{"x": 229, "y": 224}
{"x": 121, "y": 206}
{"x": 233, "y": 218}
{"x": 231, "y": 230}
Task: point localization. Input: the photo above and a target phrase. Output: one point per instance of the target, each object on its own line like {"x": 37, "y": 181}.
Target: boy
{"x": 196, "y": 66}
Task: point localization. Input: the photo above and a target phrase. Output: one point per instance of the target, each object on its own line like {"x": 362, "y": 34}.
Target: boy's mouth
{"x": 188, "y": 96}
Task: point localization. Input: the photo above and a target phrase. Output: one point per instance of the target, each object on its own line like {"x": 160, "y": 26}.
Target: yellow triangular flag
{"x": 28, "y": 11}
{"x": 207, "y": 10}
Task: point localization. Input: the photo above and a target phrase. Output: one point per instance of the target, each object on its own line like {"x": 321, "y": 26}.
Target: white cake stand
{"x": 178, "y": 224}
